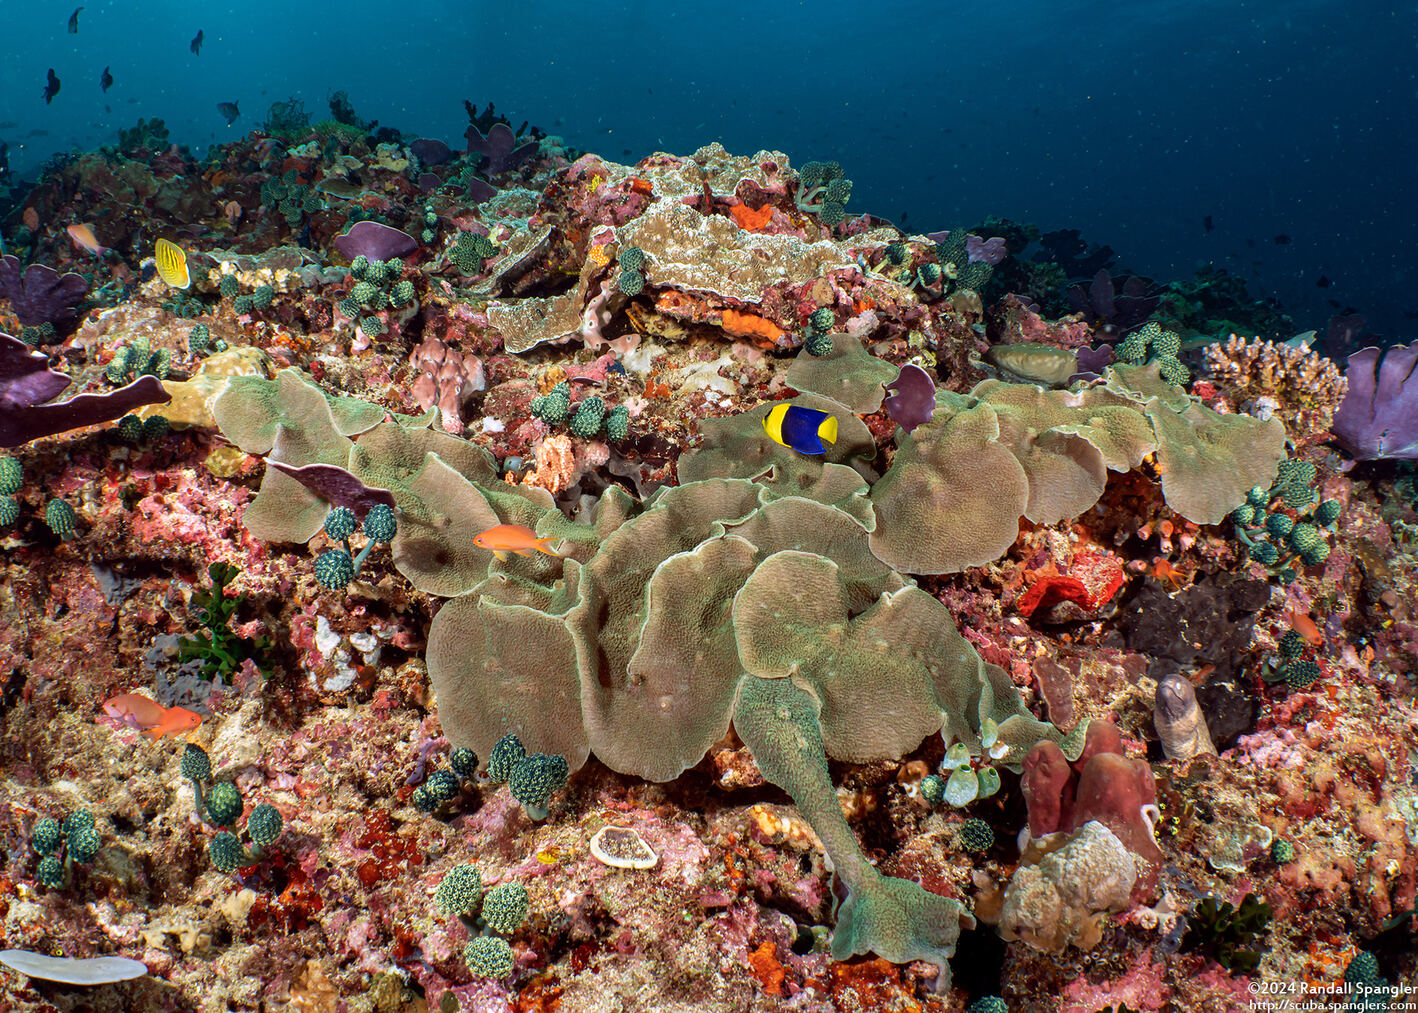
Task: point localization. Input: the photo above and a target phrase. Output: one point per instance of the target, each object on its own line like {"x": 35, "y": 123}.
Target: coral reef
{"x": 758, "y": 729}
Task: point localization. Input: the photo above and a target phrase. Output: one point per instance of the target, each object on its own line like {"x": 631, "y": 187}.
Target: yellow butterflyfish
{"x": 172, "y": 264}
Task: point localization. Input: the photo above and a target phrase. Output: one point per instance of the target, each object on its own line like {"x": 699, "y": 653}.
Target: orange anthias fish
{"x": 138, "y": 711}
{"x": 516, "y": 538}
{"x": 83, "y": 237}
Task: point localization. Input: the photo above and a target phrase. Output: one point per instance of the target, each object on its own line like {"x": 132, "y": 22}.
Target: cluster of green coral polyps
{"x": 532, "y": 778}
{"x": 824, "y": 190}
{"x": 1286, "y": 522}
{"x": 379, "y": 285}
{"x": 75, "y": 837}
{"x": 1295, "y": 667}
{"x": 292, "y": 198}
{"x": 1151, "y": 344}
{"x": 135, "y": 360}
{"x": 632, "y": 275}
{"x": 12, "y": 480}
{"x": 587, "y": 419}
{"x": 501, "y": 910}
{"x": 335, "y": 568}
{"x": 472, "y": 251}
{"x": 957, "y": 270}
{"x": 222, "y": 806}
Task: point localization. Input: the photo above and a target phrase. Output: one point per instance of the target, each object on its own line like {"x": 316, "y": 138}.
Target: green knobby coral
{"x": 135, "y": 360}
{"x": 60, "y": 518}
{"x": 489, "y": 957}
{"x": 504, "y": 908}
{"x": 224, "y": 804}
{"x": 535, "y": 779}
{"x": 12, "y": 476}
{"x": 460, "y": 891}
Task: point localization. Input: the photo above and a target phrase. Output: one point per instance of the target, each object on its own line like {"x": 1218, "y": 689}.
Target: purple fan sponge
{"x": 914, "y": 399}
{"x": 337, "y": 486}
{"x": 499, "y": 147}
{"x": 41, "y": 294}
{"x": 431, "y": 151}
{"x": 991, "y": 251}
{"x": 1379, "y": 415}
{"x": 375, "y": 241}
{"x": 26, "y": 382}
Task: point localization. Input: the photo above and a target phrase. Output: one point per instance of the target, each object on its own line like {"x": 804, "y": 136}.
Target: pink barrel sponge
{"x": 1103, "y": 784}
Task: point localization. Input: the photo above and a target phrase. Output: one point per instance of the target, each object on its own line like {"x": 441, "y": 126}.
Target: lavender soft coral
{"x": 40, "y": 294}
{"x": 1379, "y": 415}
{"x": 26, "y": 382}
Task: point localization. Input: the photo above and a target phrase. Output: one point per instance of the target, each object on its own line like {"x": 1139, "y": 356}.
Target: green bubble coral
{"x": 224, "y": 804}
{"x": 334, "y": 569}
{"x": 226, "y": 852}
{"x": 618, "y": 423}
{"x": 1328, "y": 512}
{"x": 264, "y": 825}
{"x": 340, "y": 523}
{"x": 155, "y": 427}
{"x": 933, "y": 789}
{"x": 976, "y": 835}
{"x": 822, "y": 319}
{"x": 60, "y": 517}
{"x": 83, "y": 845}
{"x": 535, "y": 779}
{"x": 371, "y": 326}
{"x": 505, "y": 908}
{"x": 818, "y": 344}
{"x": 359, "y": 267}
{"x": 489, "y": 957}
{"x": 377, "y": 272}
{"x": 364, "y": 293}
{"x": 51, "y": 872}
{"x": 12, "y": 476}
{"x": 45, "y": 836}
{"x": 506, "y": 753}
{"x": 380, "y": 524}
{"x": 263, "y": 296}
{"x": 443, "y": 786}
{"x": 1291, "y": 645}
{"x": 229, "y": 287}
{"x": 460, "y": 891}
{"x": 632, "y": 258}
{"x": 401, "y": 294}
{"x": 631, "y": 282}
{"x": 464, "y": 763}
{"x": 9, "y": 511}
{"x": 587, "y": 419}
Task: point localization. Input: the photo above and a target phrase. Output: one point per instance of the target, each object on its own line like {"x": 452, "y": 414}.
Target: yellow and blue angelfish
{"x": 802, "y": 429}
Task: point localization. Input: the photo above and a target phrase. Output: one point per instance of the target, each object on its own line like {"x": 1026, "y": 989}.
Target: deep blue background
{"x": 1129, "y": 121}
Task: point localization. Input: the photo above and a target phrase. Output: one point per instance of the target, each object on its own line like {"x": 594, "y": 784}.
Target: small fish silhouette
{"x": 197, "y": 43}
{"x": 229, "y": 110}
{"x": 51, "y": 87}
{"x": 74, "y": 21}
{"x": 106, "y": 80}
{"x": 1206, "y": 224}
{"x": 1282, "y": 240}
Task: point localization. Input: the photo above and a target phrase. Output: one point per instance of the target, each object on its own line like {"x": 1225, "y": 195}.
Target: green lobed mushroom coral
{"x": 767, "y": 591}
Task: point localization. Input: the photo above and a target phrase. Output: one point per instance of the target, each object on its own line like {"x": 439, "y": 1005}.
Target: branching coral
{"x": 1303, "y": 386}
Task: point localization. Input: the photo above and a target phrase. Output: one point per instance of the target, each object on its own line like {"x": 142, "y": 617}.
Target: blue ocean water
{"x": 1289, "y": 125}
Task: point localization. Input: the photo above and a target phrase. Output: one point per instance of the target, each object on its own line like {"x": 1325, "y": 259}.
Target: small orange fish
{"x": 516, "y": 538}
{"x": 83, "y": 237}
{"x": 138, "y": 711}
